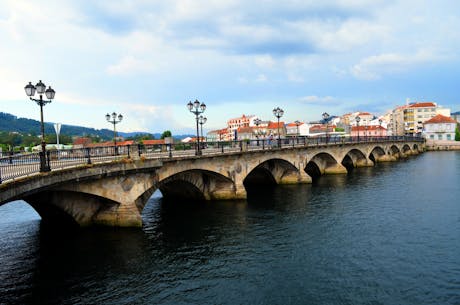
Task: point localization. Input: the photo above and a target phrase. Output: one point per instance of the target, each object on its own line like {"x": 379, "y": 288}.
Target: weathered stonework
{"x": 115, "y": 193}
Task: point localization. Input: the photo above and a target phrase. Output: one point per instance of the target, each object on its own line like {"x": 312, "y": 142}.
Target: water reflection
{"x": 380, "y": 235}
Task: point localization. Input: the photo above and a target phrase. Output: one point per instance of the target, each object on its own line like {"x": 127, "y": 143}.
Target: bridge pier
{"x": 386, "y": 158}
{"x": 115, "y": 201}
{"x": 295, "y": 178}
{"x": 364, "y": 163}
{"x": 84, "y": 210}
{"x": 335, "y": 169}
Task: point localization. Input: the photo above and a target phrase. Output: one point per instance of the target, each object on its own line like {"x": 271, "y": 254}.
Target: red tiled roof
{"x": 153, "y": 142}
{"x": 368, "y": 128}
{"x": 82, "y": 141}
{"x": 125, "y": 143}
{"x": 274, "y": 125}
{"x": 440, "y": 119}
{"x": 193, "y": 140}
{"x": 364, "y": 113}
{"x": 294, "y": 124}
{"x": 110, "y": 143}
{"x": 423, "y": 104}
{"x": 244, "y": 129}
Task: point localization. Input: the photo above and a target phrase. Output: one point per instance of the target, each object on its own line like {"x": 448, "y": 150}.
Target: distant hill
{"x": 11, "y": 123}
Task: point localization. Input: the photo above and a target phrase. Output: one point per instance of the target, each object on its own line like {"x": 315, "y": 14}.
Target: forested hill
{"x": 11, "y": 123}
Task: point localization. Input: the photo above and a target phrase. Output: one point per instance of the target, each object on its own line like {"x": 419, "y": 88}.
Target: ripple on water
{"x": 381, "y": 235}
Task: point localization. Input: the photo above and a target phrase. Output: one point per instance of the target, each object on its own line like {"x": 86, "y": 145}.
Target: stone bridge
{"x": 115, "y": 193}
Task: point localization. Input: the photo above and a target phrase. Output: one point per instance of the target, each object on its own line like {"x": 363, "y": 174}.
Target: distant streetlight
{"x": 257, "y": 122}
{"x": 196, "y": 108}
{"x": 30, "y": 91}
{"x": 380, "y": 124}
{"x": 278, "y": 112}
{"x": 113, "y": 120}
{"x": 202, "y": 120}
{"x": 326, "y": 119}
{"x": 357, "y": 123}
{"x": 297, "y": 123}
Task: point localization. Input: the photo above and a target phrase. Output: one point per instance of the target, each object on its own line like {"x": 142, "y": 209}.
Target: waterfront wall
{"x": 432, "y": 145}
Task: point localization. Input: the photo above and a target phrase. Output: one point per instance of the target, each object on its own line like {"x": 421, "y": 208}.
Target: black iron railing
{"x": 13, "y": 166}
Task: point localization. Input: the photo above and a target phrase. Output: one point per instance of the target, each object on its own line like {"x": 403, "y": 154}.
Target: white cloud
{"x": 171, "y": 50}
{"x": 129, "y": 65}
{"x": 374, "y": 67}
{"x": 261, "y": 78}
{"x": 264, "y": 61}
{"x": 318, "y": 100}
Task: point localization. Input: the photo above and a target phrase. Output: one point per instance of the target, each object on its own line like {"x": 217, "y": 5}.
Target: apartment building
{"x": 235, "y": 123}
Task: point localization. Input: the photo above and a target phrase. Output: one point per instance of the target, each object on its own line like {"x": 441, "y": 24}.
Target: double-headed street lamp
{"x": 113, "y": 119}
{"x": 297, "y": 124}
{"x": 202, "y": 120}
{"x": 30, "y": 91}
{"x": 196, "y": 108}
{"x": 326, "y": 119}
{"x": 257, "y": 122}
{"x": 380, "y": 124}
{"x": 278, "y": 112}
{"x": 357, "y": 124}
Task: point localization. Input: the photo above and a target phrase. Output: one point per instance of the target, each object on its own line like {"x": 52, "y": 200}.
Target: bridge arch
{"x": 406, "y": 150}
{"x": 323, "y": 163}
{"x": 354, "y": 158}
{"x": 272, "y": 171}
{"x": 79, "y": 208}
{"x": 377, "y": 153}
{"x": 196, "y": 185}
{"x": 394, "y": 150}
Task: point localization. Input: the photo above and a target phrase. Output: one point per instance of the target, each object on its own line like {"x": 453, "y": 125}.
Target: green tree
{"x": 457, "y": 133}
{"x": 140, "y": 137}
{"x": 166, "y": 134}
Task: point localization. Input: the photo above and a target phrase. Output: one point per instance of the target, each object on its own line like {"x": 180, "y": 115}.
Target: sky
{"x": 147, "y": 59}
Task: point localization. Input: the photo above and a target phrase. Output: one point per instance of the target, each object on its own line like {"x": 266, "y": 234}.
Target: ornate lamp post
{"x": 30, "y": 91}
{"x": 202, "y": 120}
{"x": 357, "y": 124}
{"x": 326, "y": 119}
{"x": 380, "y": 124}
{"x": 113, "y": 119}
{"x": 297, "y": 123}
{"x": 196, "y": 108}
{"x": 257, "y": 123}
{"x": 367, "y": 132}
{"x": 278, "y": 112}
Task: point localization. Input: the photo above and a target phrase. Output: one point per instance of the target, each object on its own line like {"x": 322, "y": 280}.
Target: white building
{"x": 302, "y": 129}
{"x": 365, "y": 118}
{"x": 440, "y": 128}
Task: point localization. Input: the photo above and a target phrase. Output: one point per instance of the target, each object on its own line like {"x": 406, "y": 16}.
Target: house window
{"x": 432, "y": 136}
{"x": 439, "y": 136}
{"x": 448, "y": 136}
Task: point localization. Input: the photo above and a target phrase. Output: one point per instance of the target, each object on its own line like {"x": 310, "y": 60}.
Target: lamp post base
{"x": 44, "y": 165}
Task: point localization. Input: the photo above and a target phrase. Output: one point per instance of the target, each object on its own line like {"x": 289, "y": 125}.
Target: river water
{"x": 389, "y": 234}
